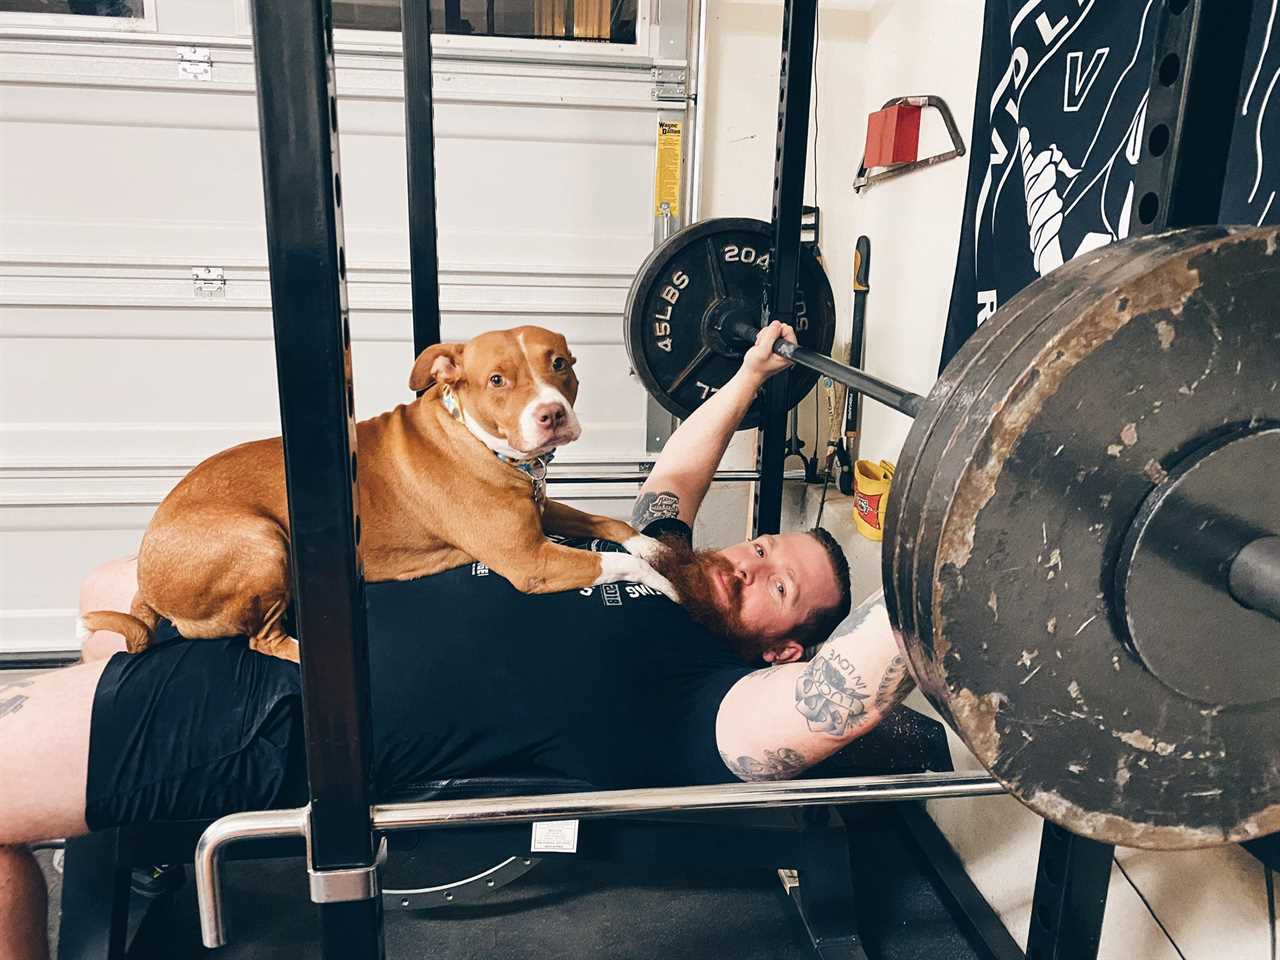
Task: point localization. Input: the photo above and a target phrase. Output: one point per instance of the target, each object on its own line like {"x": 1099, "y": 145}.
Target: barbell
{"x": 1081, "y": 558}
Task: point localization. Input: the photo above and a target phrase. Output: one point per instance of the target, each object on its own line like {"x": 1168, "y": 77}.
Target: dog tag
{"x": 554, "y": 836}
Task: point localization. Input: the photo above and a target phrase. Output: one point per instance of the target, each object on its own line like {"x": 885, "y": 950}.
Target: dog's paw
{"x": 83, "y": 632}
{"x": 646, "y": 548}
{"x": 660, "y": 583}
{"x": 623, "y": 566}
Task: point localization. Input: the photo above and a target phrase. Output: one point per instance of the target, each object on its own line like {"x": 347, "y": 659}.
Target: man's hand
{"x": 760, "y": 360}
{"x": 680, "y": 478}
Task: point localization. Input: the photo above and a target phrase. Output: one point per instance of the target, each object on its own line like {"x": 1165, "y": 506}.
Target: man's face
{"x": 784, "y": 580}
{"x": 755, "y": 594}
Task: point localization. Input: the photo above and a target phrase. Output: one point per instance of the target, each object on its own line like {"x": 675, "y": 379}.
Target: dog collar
{"x": 536, "y": 468}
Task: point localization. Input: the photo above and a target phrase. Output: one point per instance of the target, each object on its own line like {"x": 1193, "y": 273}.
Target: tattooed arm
{"x": 689, "y": 459}
{"x": 779, "y": 721}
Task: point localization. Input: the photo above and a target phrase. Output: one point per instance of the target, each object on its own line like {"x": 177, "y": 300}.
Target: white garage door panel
{"x": 191, "y": 398}
{"x": 534, "y": 170}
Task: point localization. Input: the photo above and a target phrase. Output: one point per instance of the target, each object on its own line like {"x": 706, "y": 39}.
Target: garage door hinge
{"x": 208, "y": 282}
{"x": 194, "y": 63}
{"x": 668, "y": 84}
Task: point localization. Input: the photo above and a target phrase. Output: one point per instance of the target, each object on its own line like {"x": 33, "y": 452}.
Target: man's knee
{"x": 101, "y": 644}
{"x": 110, "y": 586}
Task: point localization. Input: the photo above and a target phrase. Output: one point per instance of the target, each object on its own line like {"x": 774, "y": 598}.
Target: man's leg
{"x": 44, "y": 763}
{"x": 108, "y": 587}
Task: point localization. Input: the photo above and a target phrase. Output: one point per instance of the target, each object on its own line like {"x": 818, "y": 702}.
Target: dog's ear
{"x": 440, "y": 362}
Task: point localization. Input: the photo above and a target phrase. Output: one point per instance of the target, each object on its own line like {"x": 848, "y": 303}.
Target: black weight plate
{"x": 1024, "y": 520}
{"x": 1014, "y": 347}
{"x": 946, "y": 410}
{"x": 715, "y": 262}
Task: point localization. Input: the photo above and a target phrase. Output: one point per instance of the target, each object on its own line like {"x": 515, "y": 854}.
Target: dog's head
{"x": 516, "y": 388}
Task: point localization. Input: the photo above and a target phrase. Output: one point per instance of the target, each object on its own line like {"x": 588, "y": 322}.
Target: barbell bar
{"x": 894, "y": 397}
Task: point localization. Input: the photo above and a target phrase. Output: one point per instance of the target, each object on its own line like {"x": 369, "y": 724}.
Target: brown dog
{"x": 433, "y": 496}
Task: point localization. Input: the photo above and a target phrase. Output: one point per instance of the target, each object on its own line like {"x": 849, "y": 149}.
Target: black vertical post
{"x": 1070, "y": 896}
{"x": 301, "y": 174}
{"x": 1191, "y": 107}
{"x": 795, "y": 85}
{"x": 420, "y": 141}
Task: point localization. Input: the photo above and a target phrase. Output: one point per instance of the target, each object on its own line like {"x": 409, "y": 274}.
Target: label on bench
{"x": 554, "y": 836}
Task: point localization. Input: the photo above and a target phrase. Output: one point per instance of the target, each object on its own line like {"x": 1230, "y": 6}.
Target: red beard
{"x": 693, "y": 574}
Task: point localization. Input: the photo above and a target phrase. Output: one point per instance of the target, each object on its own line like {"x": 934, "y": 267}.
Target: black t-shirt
{"x": 613, "y": 684}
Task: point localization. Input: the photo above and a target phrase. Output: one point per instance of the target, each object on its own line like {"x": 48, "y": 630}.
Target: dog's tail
{"x": 137, "y": 635}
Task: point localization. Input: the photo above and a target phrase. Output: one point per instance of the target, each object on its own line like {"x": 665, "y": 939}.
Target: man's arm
{"x": 683, "y": 472}
{"x": 779, "y": 721}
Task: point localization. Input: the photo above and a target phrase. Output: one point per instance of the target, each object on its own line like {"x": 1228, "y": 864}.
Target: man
{"x": 614, "y": 684}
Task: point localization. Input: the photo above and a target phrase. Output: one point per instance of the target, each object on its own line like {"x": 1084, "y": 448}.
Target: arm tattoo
{"x": 654, "y": 506}
{"x": 894, "y": 685}
{"x": 12, "y": 704}
{"x": 777, "y": 765}
{"x": 829, "y": 694}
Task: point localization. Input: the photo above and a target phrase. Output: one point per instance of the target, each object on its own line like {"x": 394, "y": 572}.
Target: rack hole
{"x": 1158, "y": 140}
{"x": 357, "y": 529}
{"x": 1148, "y": 207}
{"x": 353, "y": 466}
{"x": 1177, "y": 6}
{"x": 337, "y": 189}
{"x": 342, "y": 263}
{"x": 333, "y": 113}
{"x": 1170, "y": 67}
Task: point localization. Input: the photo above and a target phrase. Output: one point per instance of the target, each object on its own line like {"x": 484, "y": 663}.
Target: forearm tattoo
{"x": 11, "y": 702}
{"x": 829, "y": 694}
{"x": 777, "y": 765}
{"x": 654, "y": 506}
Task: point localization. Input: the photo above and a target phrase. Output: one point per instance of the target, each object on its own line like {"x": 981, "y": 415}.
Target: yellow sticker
{"x": 666, "y": 182}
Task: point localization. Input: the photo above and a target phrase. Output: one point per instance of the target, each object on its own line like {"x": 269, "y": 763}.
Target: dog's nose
{"x": 551, "y": 415}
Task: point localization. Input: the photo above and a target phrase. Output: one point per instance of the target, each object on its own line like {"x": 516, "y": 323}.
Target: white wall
{"x": 1212, "y": 902}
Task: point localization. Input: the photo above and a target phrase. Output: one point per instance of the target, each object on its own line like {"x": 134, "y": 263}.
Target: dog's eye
{"x": 558, "y": 364}
{"x": 496, "y": 379}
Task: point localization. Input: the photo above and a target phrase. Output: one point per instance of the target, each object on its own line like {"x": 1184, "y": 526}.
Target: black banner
{"x": 1057, "y": 134}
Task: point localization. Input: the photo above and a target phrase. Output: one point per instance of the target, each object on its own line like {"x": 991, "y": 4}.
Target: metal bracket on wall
{"x": 865, "y": 180}
{"x": 668, "y": 84}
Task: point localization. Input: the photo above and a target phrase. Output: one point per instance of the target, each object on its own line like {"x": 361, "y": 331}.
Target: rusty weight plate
{"x": 1001, "y": 548}
{"x": 945, "y": 410}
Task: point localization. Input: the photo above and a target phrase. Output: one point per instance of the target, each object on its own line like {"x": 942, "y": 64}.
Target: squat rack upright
{"x": 294, "y": 63}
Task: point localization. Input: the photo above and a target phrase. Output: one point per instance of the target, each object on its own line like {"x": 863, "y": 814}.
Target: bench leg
{"x": 822, "y": 887}
{"x": 95, "y": 899}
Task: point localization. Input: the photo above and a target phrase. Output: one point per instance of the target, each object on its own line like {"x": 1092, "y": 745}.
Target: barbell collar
{"x": 1254, "y": 578}
{"x": 904, "y": 401}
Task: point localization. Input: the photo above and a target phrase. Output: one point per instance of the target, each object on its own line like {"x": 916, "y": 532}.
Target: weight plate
{"x": 946, "y": 408}
{"x": 1015, "y": 348}
{"x": 691, "y": 283}
{"x": 1070, "y": 422}
{"x": 944, "y": 415}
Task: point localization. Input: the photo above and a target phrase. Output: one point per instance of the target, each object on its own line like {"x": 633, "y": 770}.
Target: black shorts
{"x": 194, "y": 730}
